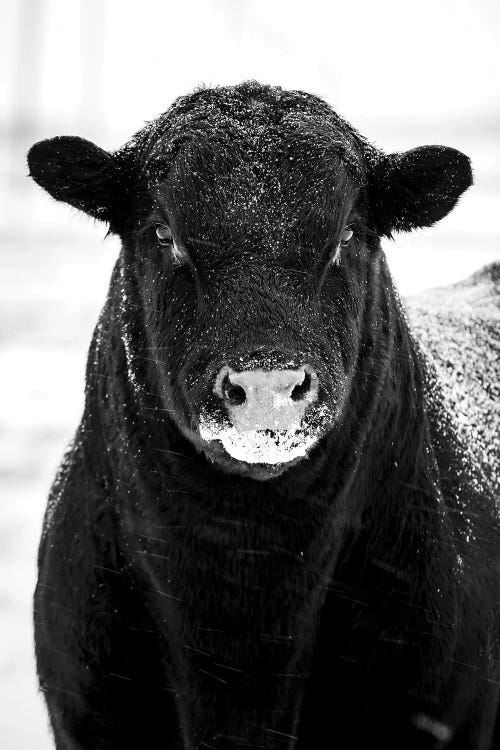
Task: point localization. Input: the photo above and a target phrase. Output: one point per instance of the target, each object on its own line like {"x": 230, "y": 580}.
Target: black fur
{"x": 189, "y": 600}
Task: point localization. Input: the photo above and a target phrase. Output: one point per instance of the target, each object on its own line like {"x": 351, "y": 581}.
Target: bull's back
{"x": 460, "y": 326}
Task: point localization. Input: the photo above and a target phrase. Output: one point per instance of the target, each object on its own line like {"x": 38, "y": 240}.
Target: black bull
{"x": 270, "y": 530}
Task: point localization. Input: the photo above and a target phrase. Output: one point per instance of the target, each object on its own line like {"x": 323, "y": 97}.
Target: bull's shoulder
{"x": 459, "y": 327}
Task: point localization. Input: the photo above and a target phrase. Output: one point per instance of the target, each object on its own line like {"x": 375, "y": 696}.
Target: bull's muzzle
{"x": 267, "y": 413}
{"x": 266, "y": 399}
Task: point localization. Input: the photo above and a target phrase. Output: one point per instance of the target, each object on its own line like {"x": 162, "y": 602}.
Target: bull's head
{"x": 250, "y": 219}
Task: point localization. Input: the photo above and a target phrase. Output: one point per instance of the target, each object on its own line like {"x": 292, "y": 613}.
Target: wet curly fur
{"x": 351, "y": 600}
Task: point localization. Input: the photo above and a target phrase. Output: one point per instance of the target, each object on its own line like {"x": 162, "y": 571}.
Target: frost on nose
{"x": 268, "y": 414}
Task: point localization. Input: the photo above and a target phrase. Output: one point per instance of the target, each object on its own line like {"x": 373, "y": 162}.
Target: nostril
{"x": 232, "y": 393}
{"x": 300, "y": 391}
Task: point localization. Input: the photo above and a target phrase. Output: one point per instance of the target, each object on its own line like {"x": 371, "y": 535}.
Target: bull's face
{"x": 250, "y": 220}
{"x": 255, "y": 318}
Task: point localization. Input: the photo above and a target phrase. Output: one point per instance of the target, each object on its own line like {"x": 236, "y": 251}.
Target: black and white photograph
{"x": 250, "y": 375}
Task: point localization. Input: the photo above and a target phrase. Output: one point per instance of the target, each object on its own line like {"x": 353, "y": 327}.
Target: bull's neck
{"x": 247, "y": 596}
{"x": 385, "y": 427}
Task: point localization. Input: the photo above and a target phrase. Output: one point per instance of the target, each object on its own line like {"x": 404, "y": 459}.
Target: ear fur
{"x": 416, "y": 188}
{"x": 76, "y": 171}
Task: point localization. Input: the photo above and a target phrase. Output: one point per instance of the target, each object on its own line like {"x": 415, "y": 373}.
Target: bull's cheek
{"x": 270, "y": 447}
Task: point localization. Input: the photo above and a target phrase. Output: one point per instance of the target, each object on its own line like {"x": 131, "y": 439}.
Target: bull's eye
{"x": 346, "y": 236}
{"x": 165, "y": 239}
{"x": 344, "y": 240}
{"x": 164, "y": 234}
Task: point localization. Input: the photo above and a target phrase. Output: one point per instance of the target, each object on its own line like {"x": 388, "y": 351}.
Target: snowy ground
{"x": 53, "y": 282}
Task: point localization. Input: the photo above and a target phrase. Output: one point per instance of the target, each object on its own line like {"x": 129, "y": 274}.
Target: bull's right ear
{"x": 80, "y": 173}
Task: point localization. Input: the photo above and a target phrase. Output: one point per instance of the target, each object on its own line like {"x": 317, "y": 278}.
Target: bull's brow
{"x": 323, "y": 220}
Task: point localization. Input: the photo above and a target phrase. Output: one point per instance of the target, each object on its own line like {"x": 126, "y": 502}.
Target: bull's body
{"x": 460, "y": 326}
{"x": 351, "y": 601}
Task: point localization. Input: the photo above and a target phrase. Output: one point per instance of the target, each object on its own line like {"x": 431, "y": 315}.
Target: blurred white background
{"x": 403, "y": 73}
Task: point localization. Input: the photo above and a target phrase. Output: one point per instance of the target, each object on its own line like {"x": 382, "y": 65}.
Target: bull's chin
{"x": 215, "y": 451}
{"x": 259, "y": 454}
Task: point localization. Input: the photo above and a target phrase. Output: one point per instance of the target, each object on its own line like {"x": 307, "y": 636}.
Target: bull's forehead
{"x": 235, "y": 179}
{"x": 257, "y": 131}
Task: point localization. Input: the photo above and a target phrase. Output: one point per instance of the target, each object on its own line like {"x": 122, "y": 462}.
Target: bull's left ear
{"x": 416, "y": 188}
{"x": 76, "y": 171}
